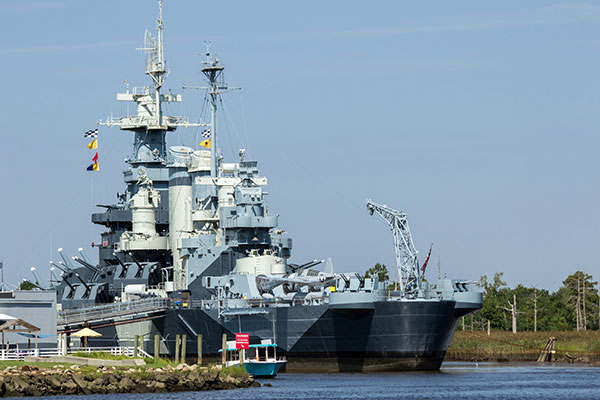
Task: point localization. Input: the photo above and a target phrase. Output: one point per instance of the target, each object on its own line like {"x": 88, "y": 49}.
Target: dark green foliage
{"x": 26, "y": 285}
{"x": 379, "y": 271}
{"x": 555, "y": 311}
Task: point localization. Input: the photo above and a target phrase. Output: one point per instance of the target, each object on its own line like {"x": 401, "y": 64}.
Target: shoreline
{"x": 78, "y": 380}
{"x": 503, "y": 346}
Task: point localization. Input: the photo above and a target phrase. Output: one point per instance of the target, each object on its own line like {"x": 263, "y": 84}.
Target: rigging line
{"x": 245, "y": 123}
{"x": 59, "y": 217}
{"x": 69, "y": 206}
{"x": 228, "y": 130}
{"x": 291, "y": 157}
{"x": 234, "y": 127}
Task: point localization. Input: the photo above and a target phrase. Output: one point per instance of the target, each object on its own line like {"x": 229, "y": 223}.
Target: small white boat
{"x": 260, "y": 360}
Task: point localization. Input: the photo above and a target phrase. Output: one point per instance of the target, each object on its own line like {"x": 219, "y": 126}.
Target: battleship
{"x": 190, "y": 248}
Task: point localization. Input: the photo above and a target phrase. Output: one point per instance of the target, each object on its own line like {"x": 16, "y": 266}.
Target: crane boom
{"x": 406, "y": 254}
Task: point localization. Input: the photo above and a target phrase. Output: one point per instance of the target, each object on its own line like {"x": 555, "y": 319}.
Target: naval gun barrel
{"x": 85, "y": 264}
{"x": 68, "y": 283}
{"x": 65, "y": 258}
{"x": 84, "y": 256}
{"x": 140, "y": 266}
{"x": 64, "y": 266}
{"x": 36, "y": 276}
{"x": 310, "y": 264}
{"x": 122, "y": 265}
{"x": 53, "y": 278}
{"x": 87, "y": 287}
{"x": 61, "y": 267}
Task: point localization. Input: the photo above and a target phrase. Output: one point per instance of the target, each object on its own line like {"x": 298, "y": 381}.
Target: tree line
{"x": 574, "y": 306}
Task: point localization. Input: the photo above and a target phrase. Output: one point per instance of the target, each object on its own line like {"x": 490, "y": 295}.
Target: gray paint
{"x": 37, "y": 308}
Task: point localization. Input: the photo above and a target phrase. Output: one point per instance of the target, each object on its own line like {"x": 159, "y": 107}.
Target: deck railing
{"x": 20, "y": 354}
{"x": 101, "y": 312}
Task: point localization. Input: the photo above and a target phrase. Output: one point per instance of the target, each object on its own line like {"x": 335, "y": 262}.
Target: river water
{"x": 454, "y": 381}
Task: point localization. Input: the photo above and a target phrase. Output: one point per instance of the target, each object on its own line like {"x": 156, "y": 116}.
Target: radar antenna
{"x": 213, "y": 70}
{"x": 155, "y": 59}
{"x": 406, "y": 254}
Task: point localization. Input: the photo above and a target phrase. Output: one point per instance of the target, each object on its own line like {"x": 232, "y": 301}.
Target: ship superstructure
{"x": 191, "y": 248}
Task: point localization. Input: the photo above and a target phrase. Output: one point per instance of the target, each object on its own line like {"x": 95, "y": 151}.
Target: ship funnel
{"x": 180, "y": 208}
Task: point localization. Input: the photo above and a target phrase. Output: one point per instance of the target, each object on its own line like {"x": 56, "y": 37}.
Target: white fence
{"x": 20, "y": 354}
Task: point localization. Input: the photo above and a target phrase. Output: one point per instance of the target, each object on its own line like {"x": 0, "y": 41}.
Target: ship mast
{"x": 157, "y": 69}
{"x": 149, "y": 124}
{"x": 213, "y": 71}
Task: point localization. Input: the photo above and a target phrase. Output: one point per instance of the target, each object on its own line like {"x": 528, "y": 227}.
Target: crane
{"x": 406, "y": 253}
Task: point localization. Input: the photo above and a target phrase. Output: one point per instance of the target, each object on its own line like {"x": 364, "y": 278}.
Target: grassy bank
{"x": 523, "y": 346}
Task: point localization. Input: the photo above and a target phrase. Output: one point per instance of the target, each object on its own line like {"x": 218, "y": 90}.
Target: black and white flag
{"x": 206, "y": 133}
{"x": 91, "y": 133}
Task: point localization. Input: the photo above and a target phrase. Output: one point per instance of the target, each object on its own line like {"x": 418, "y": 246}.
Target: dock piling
{"x": 200, "y": 349}
{"x": 156, "y": 349}
{"x": 177, "y": 343}
{"x": 224, "y": 350}
{"x": 183, "y": 347}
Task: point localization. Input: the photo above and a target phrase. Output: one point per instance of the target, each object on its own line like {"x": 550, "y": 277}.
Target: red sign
{"x": 242, "y": 341}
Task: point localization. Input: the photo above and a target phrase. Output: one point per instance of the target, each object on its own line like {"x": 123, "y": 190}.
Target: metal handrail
{"x": 112, "y": 310}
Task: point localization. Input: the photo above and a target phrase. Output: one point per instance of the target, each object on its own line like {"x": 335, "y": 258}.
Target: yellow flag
{"x": 93, "y": 144}
{"x": 205, "y": 143}
{"x": 95, "y": 166}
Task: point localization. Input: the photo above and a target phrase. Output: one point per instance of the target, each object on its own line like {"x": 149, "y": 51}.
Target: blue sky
{"x": 478, "y": 119}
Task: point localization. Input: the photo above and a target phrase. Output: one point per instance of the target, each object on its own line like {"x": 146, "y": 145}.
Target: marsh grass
{"x": 522, "y": 346}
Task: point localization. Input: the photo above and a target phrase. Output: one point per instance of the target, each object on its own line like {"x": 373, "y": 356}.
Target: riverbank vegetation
{"x": 523, "y": 346}
{"x": 574, "y": 306}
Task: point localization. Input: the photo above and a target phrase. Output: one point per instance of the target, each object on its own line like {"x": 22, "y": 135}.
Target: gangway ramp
{"x": 121, "y": 311}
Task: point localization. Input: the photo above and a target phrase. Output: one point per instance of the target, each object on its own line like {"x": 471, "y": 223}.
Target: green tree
{"x": 378, "y": 271}
{"x": 494, "y": 297}
{"x": 26, "y": 285}
{"x": 580, "y": 296}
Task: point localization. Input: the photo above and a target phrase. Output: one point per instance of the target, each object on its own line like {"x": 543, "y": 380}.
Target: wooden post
{"x": 136, "y": 338}
{"x": 183, "y": 347}
{"x": 177, "y": 342}
{"x": 489, "y": 330}
{"x": 224, "y": 350}
{"x": 241, "y": 356}
{"x": 199, "y": 349}
{"x": 156, "y": 349}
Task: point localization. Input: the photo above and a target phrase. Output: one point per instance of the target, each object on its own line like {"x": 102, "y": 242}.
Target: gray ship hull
{"x": 378, "y": 336}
